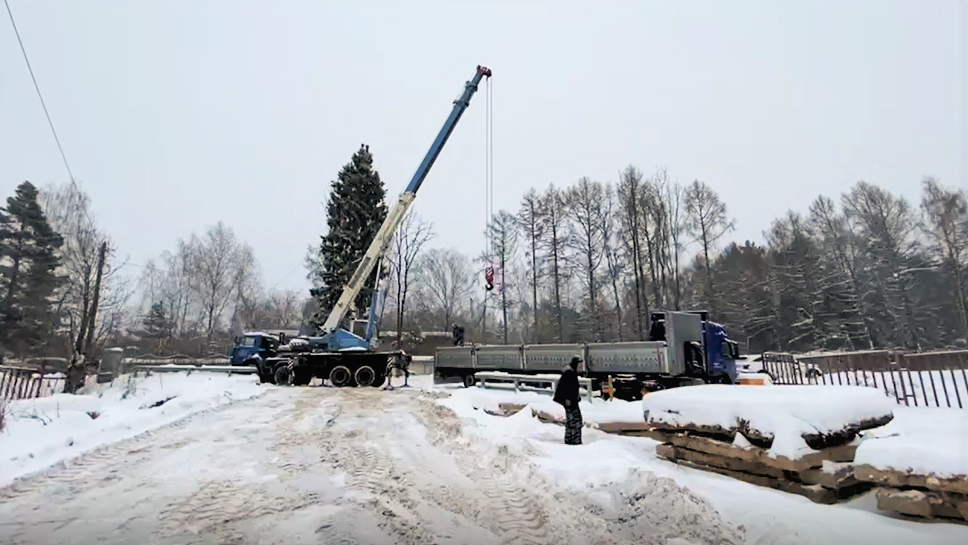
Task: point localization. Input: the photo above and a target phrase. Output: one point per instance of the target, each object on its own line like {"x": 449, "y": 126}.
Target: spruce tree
{"x": 355, "y": 211}
{"x": 156, "y": 323}
{"x": 28, "y": 264}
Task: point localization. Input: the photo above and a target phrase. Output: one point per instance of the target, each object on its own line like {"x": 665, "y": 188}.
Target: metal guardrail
{"x": 485, "y": 376}
{"x": 170, "y": 368}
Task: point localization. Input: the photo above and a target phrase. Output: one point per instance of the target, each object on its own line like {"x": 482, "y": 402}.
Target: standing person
{"x": 568, "y": 396}
{"x": 398, "y": 360}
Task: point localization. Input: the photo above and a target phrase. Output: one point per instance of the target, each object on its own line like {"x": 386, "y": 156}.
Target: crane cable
{"x": 488, "y": 184}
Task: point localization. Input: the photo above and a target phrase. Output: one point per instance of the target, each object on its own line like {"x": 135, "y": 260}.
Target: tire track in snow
{"x": 370, "y": 470}
{"x": 506, "y": 509}
{"x": 643, "y": 508}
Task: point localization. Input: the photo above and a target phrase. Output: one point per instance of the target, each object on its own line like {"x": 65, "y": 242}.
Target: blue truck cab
{"x": 248, "y": 345}
{"x": 721, "y": 352}
{"x": 718, "y": 350}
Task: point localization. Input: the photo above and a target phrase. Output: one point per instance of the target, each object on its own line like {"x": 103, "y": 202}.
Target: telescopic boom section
{"x": 381, "y": 241}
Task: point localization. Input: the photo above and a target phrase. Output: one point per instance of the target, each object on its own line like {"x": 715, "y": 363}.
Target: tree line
{"x": 583, "y": 262}
{"x": 60, "y": 290}
{"x": 587, "y": 261}
{"x": 65, "y": 292}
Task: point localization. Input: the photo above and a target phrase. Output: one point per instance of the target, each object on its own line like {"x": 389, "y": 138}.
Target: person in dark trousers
{"x": 398, "y": 359}
{"x": 567, "y": 395}
{"x": 458, "y": 333}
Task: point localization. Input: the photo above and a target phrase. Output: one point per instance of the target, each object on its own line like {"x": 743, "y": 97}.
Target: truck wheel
{"x": 340, "y": 376}
{"x": 469, "y": 381}
{"x": 283, "y": 376}
{"x": 365, "y": 376}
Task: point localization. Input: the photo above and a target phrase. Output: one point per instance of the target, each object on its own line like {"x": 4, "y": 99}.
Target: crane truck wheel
{"x": 283, "y": 376}
{"x": 365, "y": 376}
{"x": 340, "y": 376}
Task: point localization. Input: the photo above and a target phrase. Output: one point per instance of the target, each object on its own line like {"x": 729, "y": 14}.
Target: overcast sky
{"x": 177, "y": 114}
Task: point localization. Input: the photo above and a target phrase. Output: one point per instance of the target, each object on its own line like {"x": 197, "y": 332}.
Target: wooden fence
{"x": 25, "y": 383}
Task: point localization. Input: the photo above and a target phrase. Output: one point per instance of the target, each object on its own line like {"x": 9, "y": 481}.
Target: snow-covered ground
{"x": 419, "y": 465}
{"x": 768, "y": 516}
{"x": 43, "y": 431}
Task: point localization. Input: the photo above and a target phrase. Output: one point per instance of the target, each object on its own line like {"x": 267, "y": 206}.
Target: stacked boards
{"x": 799, "y": 439}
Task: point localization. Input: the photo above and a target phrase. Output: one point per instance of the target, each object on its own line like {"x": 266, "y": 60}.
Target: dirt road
{"x": 320, "y": 465}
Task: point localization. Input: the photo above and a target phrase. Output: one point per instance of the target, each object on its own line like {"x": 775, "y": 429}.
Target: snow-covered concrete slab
{"x": 922, "y": 447}
{"x": 783, "y": 419}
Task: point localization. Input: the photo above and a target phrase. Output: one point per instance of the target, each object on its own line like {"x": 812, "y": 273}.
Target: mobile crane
{"x": 346, "y": 357}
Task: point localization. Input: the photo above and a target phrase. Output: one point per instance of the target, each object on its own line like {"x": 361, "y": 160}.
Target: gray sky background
{"x": 176, "y": 114}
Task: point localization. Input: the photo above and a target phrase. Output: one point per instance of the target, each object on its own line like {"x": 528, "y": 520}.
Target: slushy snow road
{"x": 324, "y": 465}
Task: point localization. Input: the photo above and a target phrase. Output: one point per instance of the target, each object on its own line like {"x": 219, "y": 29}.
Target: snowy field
{"x": 229, "y": 460}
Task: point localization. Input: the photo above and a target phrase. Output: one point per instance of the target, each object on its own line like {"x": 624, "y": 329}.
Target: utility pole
{"x": 76, "y": 370}
{"x": 91, "y": 325}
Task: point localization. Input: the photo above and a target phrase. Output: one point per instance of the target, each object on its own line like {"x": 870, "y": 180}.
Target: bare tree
{"x": 555, "y": 222}
{"x": 612, "y": 244}
{"x": 409, "y": 239}
{"x": 218, "y": 268}
{"x": 676, "y": 226}
{"x": 277, "y": 309}
{"x": 653, "y": 217}
{"x": 532, "y": 228}
{"x": 503, "y": 234}
{"x": 586, "y": 204}
{"x": 708, "y": 222}
{"x": 629, "y": 194}
{"x": 68, "y": 209}
{"x": 946, "y": 212}
{"x": 446, "y": 277}
{"x": 247, "y": 279}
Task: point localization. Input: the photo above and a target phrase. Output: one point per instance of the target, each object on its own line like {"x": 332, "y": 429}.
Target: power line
{"x": 39, "y": 95}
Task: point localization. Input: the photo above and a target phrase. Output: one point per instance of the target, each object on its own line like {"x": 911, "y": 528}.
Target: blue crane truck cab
{"x": 250, "y": 345}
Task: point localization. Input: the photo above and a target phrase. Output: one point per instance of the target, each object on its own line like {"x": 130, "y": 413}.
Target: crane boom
{"x": 393, "y": 220}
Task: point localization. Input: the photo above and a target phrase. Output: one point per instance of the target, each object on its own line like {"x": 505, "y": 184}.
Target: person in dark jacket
{"x": 567, "y": 395}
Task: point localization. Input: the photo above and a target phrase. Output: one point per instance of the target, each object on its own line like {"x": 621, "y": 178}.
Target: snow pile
{"x": 783, "y": 419}
{"x": 920, "y": 440}
{"x": 43, "y": 431}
